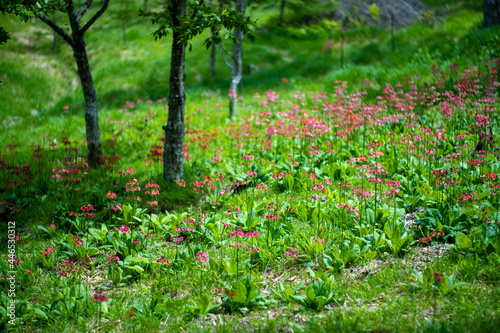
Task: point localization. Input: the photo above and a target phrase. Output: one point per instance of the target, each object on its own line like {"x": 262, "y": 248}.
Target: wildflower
{"x": 202, "y": 257}
{"x": 111, "y": 259}
{"x": 180, "y": 182}
{"x": 162, "y": 261}
{"x": 47, "y": 252}
{"x": 216, "y": 159}
{"x": 124, "y": 229}
{"x": 99, "y": 298}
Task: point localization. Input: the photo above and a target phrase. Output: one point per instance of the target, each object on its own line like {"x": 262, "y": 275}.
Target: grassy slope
{"x": 35, "y": 78}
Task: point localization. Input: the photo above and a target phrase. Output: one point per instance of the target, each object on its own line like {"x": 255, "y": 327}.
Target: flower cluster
{"x": 181, "y": 182}
{"x": 117, "y": 206}
{"x": 240, "y": 233}
{"x": 162, "y": 261}
{"x": 124, "y": 229}
{"x": 216, "y": 159}
{"x": 133, "y": 186}
{"x": 262, "y": 186}
{"x": 99, "y": 298}
{"x": 176, "y": 239}
{"x": 293, "y": 252}
{"x": 243, "y": 246}
{"x": 202, "y": 257}
{"x": 66, "y": 267}
{"x": 86, "y": 261}
{"x": 112, "y": 259}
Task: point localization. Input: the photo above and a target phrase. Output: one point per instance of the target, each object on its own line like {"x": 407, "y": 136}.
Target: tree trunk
{"x": 77, "y": 42}
{"x": 174, "y": 130}
{"x": 145, "y": 6}
{"x": 491, "y": 9}
{"x": 282, "y": 11}
{"x": 212, "y": 60}
{"x": 89, "y": 93}
{"x": 90, "y": 97}
{"x": 237, "y": 68}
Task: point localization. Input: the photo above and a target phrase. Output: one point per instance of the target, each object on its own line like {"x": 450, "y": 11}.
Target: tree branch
{"x": 95, "y": 17}
{"x": 225, "y": 50}
{"x": 196, "y": 10}
{"x": 83, "y": 10}
{"x": 223, "y": 57}
{"x": 57, "y": 29}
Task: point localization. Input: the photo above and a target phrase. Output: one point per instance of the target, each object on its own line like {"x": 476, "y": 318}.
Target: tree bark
{"x": 173, "y": 167}
{"x": 77, "y": 43}
{"x": 491, "y": 10}
{"x": 89, "y": 93}
{"x": 145, "y": 6}
{"x": 237, "y": 67}
{"x": 282, "y": 11}
{"x": 213, "y": 50}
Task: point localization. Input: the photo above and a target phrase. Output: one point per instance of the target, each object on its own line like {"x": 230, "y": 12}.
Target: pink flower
{"x": 202, "y": 257}
{"x": 124, "y": 229}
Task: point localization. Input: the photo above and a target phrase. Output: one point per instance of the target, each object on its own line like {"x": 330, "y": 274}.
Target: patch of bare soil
{"x": 418, "y": 259}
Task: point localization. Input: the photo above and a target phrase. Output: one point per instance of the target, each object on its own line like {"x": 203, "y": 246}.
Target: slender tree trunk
{"x": 90, "y": 97}
{"x": 145, "y": 6}
{"x": 213, "y": 60}
{"x": 174, "y": 130}
{"x": 491, "y": 9}
{"x": 341, "y": 47}
{"x": 282, "y": 11}
{"x": 88, "y": 88}
{"x": 237, "y": 68}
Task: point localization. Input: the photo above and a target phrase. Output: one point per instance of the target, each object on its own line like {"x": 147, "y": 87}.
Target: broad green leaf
{"x": 463, "y": 242}
{"x": 238, "y": 293}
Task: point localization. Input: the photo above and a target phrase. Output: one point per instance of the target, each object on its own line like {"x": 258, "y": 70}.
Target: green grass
{"x": 139, "y": 69}
{"x": 378, "y": 292}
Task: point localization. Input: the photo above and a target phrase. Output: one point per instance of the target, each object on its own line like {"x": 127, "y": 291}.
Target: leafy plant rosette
{"x": 242, "y": 296}
{"x": 319, "y": 292}
{"x": 201, "y": 306}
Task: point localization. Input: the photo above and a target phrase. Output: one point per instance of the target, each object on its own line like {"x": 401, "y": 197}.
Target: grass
{"x": 367, "y": 275}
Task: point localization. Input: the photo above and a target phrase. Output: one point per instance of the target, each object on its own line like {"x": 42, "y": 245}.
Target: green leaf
{"x": 238, "y": 293}
{"x": 204, "y": 303}
{"x": 463, "y": 242}
{"x": 40, "y": 313}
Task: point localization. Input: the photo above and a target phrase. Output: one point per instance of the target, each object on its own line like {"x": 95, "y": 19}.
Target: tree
{"x": 183, "y": 27}
{"x": 491, "y": 9}
{"x": 77, "y": 42}
{"x": 28, "y": 8}
{"x": 128, "y": 9}
{"x": 237, "y": 66}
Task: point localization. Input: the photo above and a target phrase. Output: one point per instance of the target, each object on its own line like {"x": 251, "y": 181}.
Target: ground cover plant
{"x": 316, "y": 211}
{"x": 287, "y": 205}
